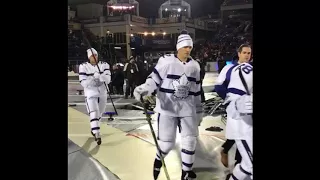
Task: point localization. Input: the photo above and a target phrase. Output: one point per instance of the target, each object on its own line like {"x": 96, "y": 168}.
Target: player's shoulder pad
{"x": 104, "y": 63}
{"x": 167, "y": 56}
{"x": 228, "y": 66}
{"x": 195, "y": 62}
{"x": 165, "y": 59}
{"x": 84, "y": 63}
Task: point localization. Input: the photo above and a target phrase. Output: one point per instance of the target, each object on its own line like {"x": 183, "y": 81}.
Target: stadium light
{"x": 121, "y": 7}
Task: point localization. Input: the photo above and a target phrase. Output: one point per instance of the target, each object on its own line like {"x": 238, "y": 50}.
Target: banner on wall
{"x": 159, "y": 43}
{"x": 139, "y": 19}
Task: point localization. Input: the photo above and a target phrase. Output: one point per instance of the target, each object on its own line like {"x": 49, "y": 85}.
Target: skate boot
{"x": 188, "y": 175}
{"x": 97, "y": 138}
{"x": 224, "y": 159}
{"x": 156, "y": 168}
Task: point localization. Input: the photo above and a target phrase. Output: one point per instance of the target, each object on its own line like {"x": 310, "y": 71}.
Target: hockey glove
{"x": 141, "y": 91}
{"x": 151, "y": 100}
{"x": 105, "y": 78}
{"x": 244, "y": 105}
{"x": 96, "y": 75}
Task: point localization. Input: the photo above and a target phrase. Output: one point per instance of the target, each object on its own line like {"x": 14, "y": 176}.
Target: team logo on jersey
{"x": 181, "y": 87}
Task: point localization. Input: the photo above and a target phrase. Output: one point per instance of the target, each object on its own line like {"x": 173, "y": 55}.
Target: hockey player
{"x": 94, "y": 89}
{"x": 221, "y": 87}
{"x": 239, "y": 118}
{"x": 177, "y": 79}
{"x": 239, "y": 128}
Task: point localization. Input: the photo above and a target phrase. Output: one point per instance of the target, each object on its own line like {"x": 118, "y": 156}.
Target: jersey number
{"x": 246, "y": 69}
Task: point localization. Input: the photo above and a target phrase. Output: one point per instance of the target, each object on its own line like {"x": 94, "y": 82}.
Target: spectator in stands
{"x": 130, "y": 74}
{"x": 221, "y": 62}
{"x": 142, "y": 75}
{"x": 118, "y": 79}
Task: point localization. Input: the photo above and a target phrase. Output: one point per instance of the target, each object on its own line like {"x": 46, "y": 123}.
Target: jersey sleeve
{"x": 222, "y": 75}
{"x": 154, "y": 80}
{"x": 220, "y": 86}
{"x": 106, "y": 74}
{"x": 83, "y": 77}
{"x": 197, "y": 88}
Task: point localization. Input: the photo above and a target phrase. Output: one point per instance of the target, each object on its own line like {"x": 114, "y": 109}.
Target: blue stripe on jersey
{"x": 192, "y": 79}
{"x": 166, "y": 90}
{"x": 188, "y": 152}
{"x": 105, "y": 70}
{"x": 85, "y": 74}
{"x": 187, "y": 164}
{"x": 173, "y": 76}
{"x": 221, "y": 90}
{"x": 195, "y": 93}
{"x": 236, "y": 91}
{"x": 244, "y": 171}
{"x": 171, "y": 91}
{"x": 157, "y": 73}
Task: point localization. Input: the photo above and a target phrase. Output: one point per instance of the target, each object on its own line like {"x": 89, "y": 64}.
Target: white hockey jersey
{"x": 238, "y": 126}
{"x": 178, "y": 86}
{"x": 86, "y": 74}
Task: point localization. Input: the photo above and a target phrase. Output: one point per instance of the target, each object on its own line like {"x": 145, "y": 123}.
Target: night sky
{"x": 149, "y": 8}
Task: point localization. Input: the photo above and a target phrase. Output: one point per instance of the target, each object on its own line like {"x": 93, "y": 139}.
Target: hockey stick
{"x": 155, "y": 138}
{"x": 89, "y": 45}
{"x": 244, "y": 84}
{"x": 243, "y": 81}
